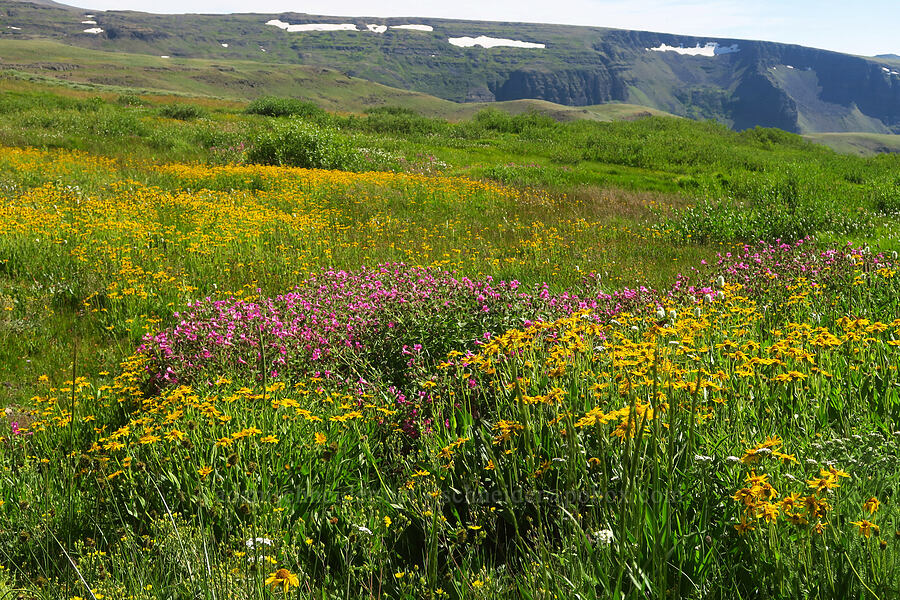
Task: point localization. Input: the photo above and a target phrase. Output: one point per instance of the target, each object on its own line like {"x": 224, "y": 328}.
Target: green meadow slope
{"x": 241, "y": 80}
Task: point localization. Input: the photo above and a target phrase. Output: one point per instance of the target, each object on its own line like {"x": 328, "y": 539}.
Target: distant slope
{"x": 741, "y": 83}
{"x": 861, "y": 144}
{"x": 51, "y": 61}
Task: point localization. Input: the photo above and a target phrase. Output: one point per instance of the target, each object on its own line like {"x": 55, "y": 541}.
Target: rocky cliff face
{"x": 574, "y": 87}
{"x": 748, "y": 84}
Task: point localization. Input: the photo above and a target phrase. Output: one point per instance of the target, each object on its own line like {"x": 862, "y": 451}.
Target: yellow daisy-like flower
{"x": 866, "y": 528}
{"x": 872, "y": 505}
{"x": 283, "y": 578}
{"x": 320, "y": 438}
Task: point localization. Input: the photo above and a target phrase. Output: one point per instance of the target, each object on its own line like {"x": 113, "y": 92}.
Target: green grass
{"x": 862, "y": 144}
{"x": 750, "y": 175}
{"x": 400, "y": 467}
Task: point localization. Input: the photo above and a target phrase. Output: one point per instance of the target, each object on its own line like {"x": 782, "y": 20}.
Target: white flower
{"x": 604, "y": 536}
{"x": 260, "y": 541}
{"x": 732, "y": 459}
{"x": 660, "y": 313}
{"x": 721, "y": 281}
{"x": 702, "y": 459}
{"x": 365, "y": 530}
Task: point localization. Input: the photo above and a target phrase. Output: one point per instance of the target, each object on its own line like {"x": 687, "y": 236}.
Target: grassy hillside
{"x": 862, "y": 144}
{"x": 116, "y": 72}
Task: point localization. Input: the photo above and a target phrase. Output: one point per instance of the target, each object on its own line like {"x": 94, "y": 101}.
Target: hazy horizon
{"x": 865, "y": 28}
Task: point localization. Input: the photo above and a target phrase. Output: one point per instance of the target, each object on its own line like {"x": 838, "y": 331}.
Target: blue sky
{"x": 865, "y": 27}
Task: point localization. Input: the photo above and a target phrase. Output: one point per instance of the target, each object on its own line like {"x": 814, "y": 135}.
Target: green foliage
{"x": 130, "y": 100}
{"x": 274, "y": 106}
{"x": 298, "y": 143}
{"x": 741, "y": 186}
{"x": 181, "y": 111}
{"x": 395, "y": 111}
{"x": 392, "y": 120}
{"x": 557, "y": 509}
{"x": 491, "y": 119}
{"x": 885, "y": 194}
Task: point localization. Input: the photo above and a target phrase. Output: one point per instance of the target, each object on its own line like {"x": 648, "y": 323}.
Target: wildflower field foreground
{"x": 238, "y": 381}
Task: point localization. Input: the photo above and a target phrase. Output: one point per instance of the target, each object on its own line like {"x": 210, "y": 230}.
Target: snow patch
{"x": 224, "y": 45}
{"x": 377, "y": 28}
{"x": 165, "y": 56}
{"x": 88, "y": 16}
{"x": 710, "y": 49}
{"x": 14, "y": 28}
{"x": 89, "y": 22}
{"x": 312, "y": 26}
{"x": 789, "y": 66}
{"x": 414, "y": 27}
{"x": 94, "y": 30}
{"x": 489, "y": 42}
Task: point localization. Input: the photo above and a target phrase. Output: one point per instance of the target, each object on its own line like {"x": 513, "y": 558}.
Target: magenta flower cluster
{"x": 390, "y": 321}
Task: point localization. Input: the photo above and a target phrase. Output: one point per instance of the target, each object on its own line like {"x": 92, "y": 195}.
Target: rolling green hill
{"x": 53, "y": 62}
{"x": 862, "y": 144}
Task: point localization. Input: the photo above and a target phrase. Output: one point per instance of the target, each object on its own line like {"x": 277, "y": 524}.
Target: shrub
{"x": 885, "y": 194}
{"x": 396, "y": 120}
{"x": 274, "y": 106}
{"x": 298, "y": 143}
{"x": 130, "y": 100}
{"x": 498, "y": 120}
{"x": 397, "y": 111}
{"x": 182, "y": 112}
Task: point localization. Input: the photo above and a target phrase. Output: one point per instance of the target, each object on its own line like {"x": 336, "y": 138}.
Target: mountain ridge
{"x": 742, "y": 83}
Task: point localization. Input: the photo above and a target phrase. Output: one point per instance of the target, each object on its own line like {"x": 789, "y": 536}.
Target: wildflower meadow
{"x": 236, "y": 381}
